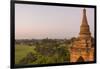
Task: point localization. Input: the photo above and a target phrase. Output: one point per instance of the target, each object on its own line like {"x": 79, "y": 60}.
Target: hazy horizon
{"x": 54, "y": 22}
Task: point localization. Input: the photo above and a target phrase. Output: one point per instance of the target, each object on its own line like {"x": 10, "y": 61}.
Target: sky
{"x": 54, "y": 22}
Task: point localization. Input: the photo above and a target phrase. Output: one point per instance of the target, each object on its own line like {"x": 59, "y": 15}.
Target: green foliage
{"x": 43, "y": 52}
{"x": 30, "y": 57}
{"x": 21, "y": 51}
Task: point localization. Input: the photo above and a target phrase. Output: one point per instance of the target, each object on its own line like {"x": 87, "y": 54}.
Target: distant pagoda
{"x": 82, "y": 48}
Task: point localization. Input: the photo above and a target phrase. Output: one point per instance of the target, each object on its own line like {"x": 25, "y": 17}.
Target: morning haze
{"x": 55, "y": 22}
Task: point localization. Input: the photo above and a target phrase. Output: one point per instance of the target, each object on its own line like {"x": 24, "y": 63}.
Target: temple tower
{"x": 82, "y": 48}
{"x": 84, "y": 28}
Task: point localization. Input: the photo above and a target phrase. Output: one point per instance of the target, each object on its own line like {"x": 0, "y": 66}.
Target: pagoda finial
{"x": 84, "y": 11}
{"x": 84, "y": 20}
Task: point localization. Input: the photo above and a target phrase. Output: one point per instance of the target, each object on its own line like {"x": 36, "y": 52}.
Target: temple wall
{"x": 87, "y": 57}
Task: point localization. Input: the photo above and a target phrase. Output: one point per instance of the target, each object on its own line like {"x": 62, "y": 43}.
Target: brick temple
{"x": 82, "y": 49}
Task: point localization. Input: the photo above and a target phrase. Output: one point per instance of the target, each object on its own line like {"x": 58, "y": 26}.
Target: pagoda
{"x": 82, "y": 49}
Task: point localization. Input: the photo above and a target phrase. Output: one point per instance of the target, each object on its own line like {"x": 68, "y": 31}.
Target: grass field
{"x": 21, "y": 51}
{"x": 41, "y": 52}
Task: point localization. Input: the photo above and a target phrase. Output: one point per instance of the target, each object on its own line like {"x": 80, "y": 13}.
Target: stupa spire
{"x": 84, "y": 20}
{"x": 84, "y": 28}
